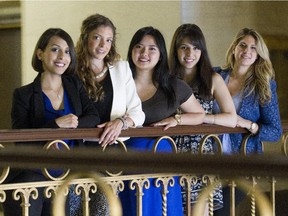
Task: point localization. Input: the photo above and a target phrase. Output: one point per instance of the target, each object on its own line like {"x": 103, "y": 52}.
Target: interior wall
{"x": 221, "y": 20}
{"x": 128, "y": 17}
{"x": 10, "y": 71}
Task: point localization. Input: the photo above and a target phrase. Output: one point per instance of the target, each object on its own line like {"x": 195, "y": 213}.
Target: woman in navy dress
{"x": 55, "y": 99}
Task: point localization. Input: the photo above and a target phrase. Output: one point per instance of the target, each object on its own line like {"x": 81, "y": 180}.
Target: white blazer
{"x": 125, "y": 97}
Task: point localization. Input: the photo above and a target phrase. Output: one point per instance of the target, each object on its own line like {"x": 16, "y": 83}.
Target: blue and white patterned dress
{"x": 190, "y": 143}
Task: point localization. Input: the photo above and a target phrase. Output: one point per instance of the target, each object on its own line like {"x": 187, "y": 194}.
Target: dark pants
{"x": 39, "y": 207}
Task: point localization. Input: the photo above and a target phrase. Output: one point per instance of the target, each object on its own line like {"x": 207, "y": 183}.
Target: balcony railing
{"x": 261, "y": 169}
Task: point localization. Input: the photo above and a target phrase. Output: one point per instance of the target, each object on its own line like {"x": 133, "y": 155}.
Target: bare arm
{"x": 192, "y": 114}
{"x": 228, "y": 116}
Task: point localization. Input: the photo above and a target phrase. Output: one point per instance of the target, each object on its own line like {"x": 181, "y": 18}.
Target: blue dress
{"x": 156, "y": 109}
{"x": 152, "y": 198}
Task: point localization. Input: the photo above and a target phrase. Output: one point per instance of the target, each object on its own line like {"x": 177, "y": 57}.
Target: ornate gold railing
{"x": 157, "y": 166}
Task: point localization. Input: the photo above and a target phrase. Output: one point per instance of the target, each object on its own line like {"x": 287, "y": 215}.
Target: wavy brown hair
{"x": 259, "y": 75}
{"x": 94, "y": 89}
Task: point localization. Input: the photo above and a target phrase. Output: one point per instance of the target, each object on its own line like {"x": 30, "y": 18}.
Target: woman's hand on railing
{"x": 166, "y": 123}
{"x": 67, "y": 121}
{"x": 112, "y": 130}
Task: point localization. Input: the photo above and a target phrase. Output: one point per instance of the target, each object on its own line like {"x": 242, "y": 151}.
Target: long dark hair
{"x": 42, "y": 44}
{"x": 161, "y": 75}
{"x": 203, "y": 78}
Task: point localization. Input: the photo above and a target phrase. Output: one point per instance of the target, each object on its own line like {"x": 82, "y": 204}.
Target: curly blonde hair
{"x": 94, "y": 89}
{"x": 260, "y": 73}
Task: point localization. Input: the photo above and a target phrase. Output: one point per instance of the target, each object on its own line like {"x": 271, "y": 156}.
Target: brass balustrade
{"x": 157, "y": 166}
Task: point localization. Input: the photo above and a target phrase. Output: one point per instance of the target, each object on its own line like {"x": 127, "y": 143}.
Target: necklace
{"x": 58, "y": 93}
{"x": 102, "y": 73}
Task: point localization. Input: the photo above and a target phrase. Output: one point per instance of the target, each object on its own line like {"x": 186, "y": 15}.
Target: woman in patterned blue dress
{"x": 161, "y": 94}
{"x": 189, "y": 61}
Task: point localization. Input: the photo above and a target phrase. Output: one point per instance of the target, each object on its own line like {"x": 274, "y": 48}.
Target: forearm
{"x": 192, "y": 118}
{"x": 223, "y": 119}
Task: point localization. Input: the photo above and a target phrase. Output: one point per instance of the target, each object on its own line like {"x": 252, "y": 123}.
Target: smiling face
{"x": 188, "y": 55}
{"x": 99, "y": 42}
{"x": 146, "y": 54}
{"x": 245, "y": 52}
{"x": 56, "y": 56}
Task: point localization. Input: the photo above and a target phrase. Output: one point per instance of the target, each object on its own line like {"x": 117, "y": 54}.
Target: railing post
{"x": 138, "y": 184}
{"x": 24, "y": 195}
{"x": 166, "y": 181}
{"x": 272, "y": 194}
{"x": 232, "y": 186}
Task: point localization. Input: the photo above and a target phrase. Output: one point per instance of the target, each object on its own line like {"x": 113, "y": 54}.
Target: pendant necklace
{"x": 58, "y": 93}
{"x": 102, "y": 73}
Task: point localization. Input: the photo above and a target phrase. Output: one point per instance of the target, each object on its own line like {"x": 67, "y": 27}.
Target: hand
{"x": 111, "y": 132}
{"x": 67, "y": 121}
{"x": 243, "y": 123}
{"x": 168, "y": 122}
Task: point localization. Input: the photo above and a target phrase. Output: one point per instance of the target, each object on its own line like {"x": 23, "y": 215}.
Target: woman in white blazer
{"x": 107, "y": 79}
{"x": 110, "y": 84}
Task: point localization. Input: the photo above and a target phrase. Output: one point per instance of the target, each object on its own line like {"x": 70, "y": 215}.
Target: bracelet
{"x": 177, "y": 117}
{"x": 125, "y": 123}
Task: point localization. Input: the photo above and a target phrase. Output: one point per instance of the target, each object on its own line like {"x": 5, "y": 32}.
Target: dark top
{"x": 156, "y": 108}
{"x": 28, "y": 107}
{"x": 104, "y": 106}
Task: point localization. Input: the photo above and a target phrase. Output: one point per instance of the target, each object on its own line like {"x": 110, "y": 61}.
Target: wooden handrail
{"x": 16, "y": 135}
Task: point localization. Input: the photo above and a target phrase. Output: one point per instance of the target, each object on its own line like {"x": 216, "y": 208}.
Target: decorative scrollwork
{"x": 244, "y": 143}
{"x": 5, "y": 171}
{"x": 2, "y": 196}
{"x": 123, "y": 146}
{"x": 117, "y": 186}
{"x": 85, "y": 189}
{"x": 24, "y": 194}
{"x": 218, "y": 142}
{"x": 59, "y": 200}
{"x": 139, "y": 184}
{"x": 158, "y": 140}
{"x": 260, "y": 198}
{"x": 284, "y": 141}
{"x": 45, "y": 171}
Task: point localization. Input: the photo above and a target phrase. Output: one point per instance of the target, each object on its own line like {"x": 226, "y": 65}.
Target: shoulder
{"x": 222, "y": 72}
{"x": 273, "y": 84}
{"x": 119, "y": 64}
{"x": 25, "y": 90}
{"x": 30, "y": 88}
{"x": 180, "y": 85}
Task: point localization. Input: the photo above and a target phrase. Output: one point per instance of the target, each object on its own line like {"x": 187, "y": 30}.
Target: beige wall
{"x": 128, "y": 16}
{"x": 221, "y": 20}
